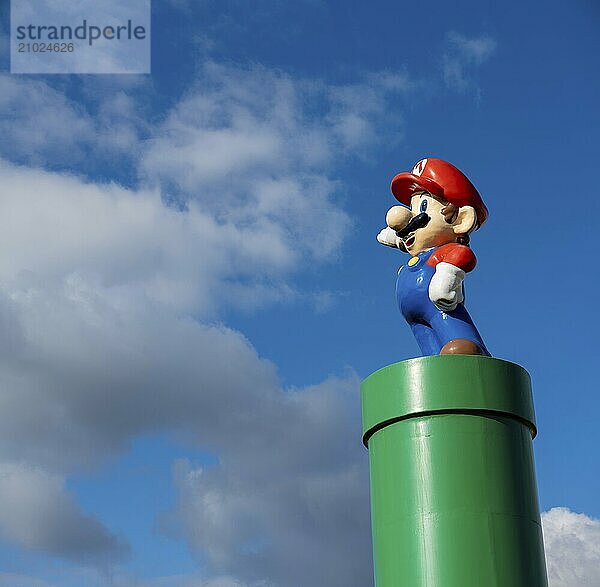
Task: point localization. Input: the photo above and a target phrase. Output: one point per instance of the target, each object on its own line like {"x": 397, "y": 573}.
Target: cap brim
{"x": 404, "y": 185}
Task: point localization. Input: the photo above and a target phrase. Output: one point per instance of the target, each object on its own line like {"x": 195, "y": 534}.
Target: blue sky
{"x": 191, "y": 289}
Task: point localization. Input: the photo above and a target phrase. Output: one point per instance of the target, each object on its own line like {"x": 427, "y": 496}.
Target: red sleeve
{"x": 460, "y": 256}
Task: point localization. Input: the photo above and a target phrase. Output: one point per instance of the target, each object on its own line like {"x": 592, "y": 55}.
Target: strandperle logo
{"x": 83, "y": 32}
{"x": 87, "y": 36}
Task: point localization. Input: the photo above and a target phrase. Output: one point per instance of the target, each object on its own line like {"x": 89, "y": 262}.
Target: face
{"x": 437, "y": 230}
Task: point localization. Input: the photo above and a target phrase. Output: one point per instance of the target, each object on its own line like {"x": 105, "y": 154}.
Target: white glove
{"x": 388, "y": 238}
{"x": 445, "y": 288}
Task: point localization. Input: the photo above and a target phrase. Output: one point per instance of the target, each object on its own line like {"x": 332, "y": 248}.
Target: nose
{"x": 398, "y": 217}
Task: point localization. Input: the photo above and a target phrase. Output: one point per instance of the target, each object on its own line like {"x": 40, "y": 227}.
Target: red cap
{"x": 442, "y": 179}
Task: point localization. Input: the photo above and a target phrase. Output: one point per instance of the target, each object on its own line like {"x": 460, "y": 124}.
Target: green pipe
{"x": 453, "y": 490}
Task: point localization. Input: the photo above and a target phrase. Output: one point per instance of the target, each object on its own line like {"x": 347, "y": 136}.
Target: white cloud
{"x": 109, "y": 306}
{"x": 239, "y": 126}
{"x": 128, "y": 243}
{"x": 254, "y": 147}
{"x": 82, "y": 375}
{"x": 87, "y": 378}
{"x": 473, "y": 49}
{"x": 40, "y": 125}
{"x": 358, "y": 109}
{"x": 463, "y": 54}
{"x": 243, "y": 146}
{"x": 97, "y": 342}
{"x": 95, "y": 353}
{"x": 288, "y": 503}
{"x": 100, "y": 279}
{"x": 37, "y": 513}
{"x": 98, "y": 347}
{"x": 572, "y": 543}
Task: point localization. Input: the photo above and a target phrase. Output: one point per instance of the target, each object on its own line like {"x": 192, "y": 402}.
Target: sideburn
{"x": 450, "y": 212}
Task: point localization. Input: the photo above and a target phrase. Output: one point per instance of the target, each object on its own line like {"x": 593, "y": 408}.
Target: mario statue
{"x": 441, "y": 207}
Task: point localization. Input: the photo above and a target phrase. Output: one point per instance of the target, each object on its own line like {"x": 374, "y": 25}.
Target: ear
{"x": 466, "y": 220}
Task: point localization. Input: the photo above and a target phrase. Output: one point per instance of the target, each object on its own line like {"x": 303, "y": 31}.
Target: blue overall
{"x": 432, "y": 327}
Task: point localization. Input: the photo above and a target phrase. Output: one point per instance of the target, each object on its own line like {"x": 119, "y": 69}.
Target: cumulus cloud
{"x": 291, "y": 516}
{"x": 98, "y": 347}
{"x": 572, "y": 543}
{"x": 357, "y": 108}
{"x": 82, "y": 375}
{"x": 38, "y": 123}
{"x": 109, "y": 326}
{"x": 248, "y": 146}
{"x": 128, "y": 243}
{"x": 464, "y": 54}
{"x": 37, "y": 513}
{"x": 41, "y": 126}
{"x": 110, "y": 298}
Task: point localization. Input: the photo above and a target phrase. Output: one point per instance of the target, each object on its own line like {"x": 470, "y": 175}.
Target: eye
{"x": 423, "y": 206}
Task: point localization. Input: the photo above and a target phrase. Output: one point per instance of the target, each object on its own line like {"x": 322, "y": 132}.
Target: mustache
{"x": 419, "y": 221}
